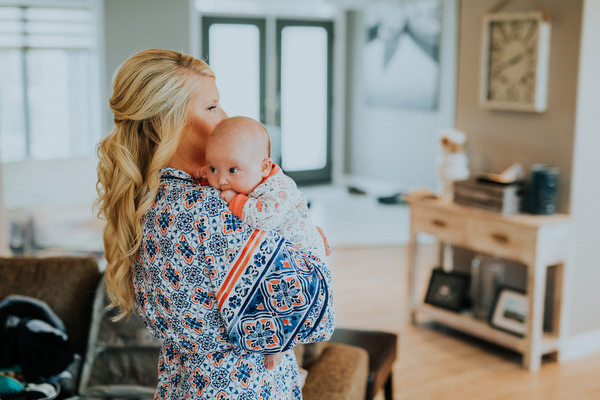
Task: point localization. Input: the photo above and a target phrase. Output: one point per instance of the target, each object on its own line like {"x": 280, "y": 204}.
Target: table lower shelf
{"x": 465, "y": 322}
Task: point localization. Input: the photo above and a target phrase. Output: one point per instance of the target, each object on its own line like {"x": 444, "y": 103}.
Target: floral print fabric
{"x": 221, "y": 294}
{"x": 278, "y": 204}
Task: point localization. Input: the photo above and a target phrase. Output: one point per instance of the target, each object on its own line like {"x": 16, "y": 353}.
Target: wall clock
{"x": 514, "y": 64}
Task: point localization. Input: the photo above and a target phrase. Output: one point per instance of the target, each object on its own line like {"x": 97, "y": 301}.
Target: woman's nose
{"x": 223, "y": 114}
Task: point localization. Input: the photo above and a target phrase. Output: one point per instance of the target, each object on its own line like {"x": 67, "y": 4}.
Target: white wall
{"x": 585, "y": 179}
{"x": 4, "y": 251}
{"x": 399, "y": 146}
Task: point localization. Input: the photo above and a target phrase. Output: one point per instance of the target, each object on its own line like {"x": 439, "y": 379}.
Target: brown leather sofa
{"x": 68, "y": 285}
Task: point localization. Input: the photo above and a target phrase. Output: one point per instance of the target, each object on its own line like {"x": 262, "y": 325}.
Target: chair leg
{"x": 389, "y": 392}
{"x": 369, "y": 395}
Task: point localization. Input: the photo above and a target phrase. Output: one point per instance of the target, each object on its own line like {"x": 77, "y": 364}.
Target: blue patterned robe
{"x": 221, "y": 295}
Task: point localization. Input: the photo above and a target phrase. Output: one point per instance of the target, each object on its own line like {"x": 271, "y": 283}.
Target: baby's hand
{"x": 271, "y": 360}
{"x": 228, "y": 195}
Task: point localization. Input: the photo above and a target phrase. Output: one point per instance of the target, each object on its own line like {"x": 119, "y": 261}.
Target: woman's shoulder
{"x": 180, "y": 179}
{"x": 177, "y": 186}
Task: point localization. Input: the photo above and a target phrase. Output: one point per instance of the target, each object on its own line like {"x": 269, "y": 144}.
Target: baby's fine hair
{"x": 249, "y": 126}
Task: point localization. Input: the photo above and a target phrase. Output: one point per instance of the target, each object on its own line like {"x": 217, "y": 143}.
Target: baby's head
{"x": 237, "y": 155}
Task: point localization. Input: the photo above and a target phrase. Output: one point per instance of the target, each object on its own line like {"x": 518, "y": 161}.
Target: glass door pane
{"x": 305, "y": 87}
{"x": 234, "y": 49}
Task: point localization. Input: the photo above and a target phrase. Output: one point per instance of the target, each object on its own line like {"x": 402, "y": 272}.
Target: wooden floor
{"x": 434, "y": 362}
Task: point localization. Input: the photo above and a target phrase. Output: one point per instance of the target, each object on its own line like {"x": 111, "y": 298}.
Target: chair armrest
{"x": 339, "y": 374}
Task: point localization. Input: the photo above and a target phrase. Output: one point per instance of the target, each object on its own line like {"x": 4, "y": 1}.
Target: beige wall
{"x": 496, "y": 139}
{"x": 566, "y": 135}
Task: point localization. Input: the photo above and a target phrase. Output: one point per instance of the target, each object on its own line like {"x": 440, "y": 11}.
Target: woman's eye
{"x": 233, "y": 170}
{"x": 211, "y": 108}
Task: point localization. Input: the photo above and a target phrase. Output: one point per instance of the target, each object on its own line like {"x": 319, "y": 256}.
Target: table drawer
{"x": 446, "y": 226}
{"x": 502, "y": 239}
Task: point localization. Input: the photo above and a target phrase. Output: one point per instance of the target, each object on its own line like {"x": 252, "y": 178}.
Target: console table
{"x": 539, "y": 242}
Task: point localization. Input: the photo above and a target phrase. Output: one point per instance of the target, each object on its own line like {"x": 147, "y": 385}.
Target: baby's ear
{"x": 201, "y": 173}
{"x": 266, "y": 167}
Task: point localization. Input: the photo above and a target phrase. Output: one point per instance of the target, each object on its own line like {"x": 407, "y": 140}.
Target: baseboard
{"x": 582, "y": 345}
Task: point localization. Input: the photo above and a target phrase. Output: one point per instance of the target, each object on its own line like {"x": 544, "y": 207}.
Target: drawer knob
{"x": 439, "y": 223}
{"x": 500, "y": 238}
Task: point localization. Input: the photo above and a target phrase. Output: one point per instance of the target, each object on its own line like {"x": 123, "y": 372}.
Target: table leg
{"x": 536, "y": 289}
{"x": 412, "y": 276}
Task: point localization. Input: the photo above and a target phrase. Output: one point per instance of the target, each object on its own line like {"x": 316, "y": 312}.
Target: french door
{"x": 280, "y": 73}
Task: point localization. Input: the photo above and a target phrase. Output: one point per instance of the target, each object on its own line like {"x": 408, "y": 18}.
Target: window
{"x": 304, "y": 50}
{"x": 297, "y": 112}
{"x": 235, "y": 49}
{"x": 49, "y": 86}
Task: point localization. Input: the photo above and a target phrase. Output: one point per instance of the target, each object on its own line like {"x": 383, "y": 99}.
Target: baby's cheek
{"x": 213, "y": 182}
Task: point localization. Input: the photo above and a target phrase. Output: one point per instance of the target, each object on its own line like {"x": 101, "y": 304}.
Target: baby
{"x": 257, "y": 191}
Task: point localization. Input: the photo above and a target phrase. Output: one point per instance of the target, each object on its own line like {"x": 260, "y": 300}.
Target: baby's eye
{"x": 213, "y": 170}
{"x": 233, "y": 170}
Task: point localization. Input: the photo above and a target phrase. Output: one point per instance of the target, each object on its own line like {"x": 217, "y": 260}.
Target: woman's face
{"x": 204, "y": 114}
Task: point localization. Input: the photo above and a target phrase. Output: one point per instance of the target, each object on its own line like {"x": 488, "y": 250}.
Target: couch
{"x": 336, "y": 371}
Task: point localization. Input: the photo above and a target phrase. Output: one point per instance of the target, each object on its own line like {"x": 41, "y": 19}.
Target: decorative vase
{"x": 487, "y": 275}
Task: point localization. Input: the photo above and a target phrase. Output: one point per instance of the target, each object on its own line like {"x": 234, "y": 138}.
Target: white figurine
{"x": 453, "y": 165}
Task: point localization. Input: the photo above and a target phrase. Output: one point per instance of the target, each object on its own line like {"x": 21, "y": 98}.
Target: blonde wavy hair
{"x": 151, "y": 94}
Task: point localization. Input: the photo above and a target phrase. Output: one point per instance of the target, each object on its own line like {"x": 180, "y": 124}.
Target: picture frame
{"x": 509, "y": 312}
{"x": 448, "y": 290}
{"x": 515, "y": 57}
{"x": 401, "y": 53}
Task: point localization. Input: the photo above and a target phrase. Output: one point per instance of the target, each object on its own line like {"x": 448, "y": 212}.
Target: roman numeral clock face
{"x": 513, "y": 61}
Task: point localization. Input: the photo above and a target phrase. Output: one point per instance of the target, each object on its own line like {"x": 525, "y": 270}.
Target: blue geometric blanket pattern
{"x": 272, "y": 302}
{"x": 221, "y": 295}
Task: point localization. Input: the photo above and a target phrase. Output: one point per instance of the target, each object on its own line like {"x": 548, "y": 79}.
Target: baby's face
{"x": 234, "y": 166}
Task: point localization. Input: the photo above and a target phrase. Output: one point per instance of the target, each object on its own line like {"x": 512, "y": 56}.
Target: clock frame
{"x": 514, "y": 63}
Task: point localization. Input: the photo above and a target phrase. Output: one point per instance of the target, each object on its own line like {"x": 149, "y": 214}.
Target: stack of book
{"x": 493, "y": 196}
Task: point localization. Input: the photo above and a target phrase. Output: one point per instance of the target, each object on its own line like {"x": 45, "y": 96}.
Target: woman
{"x": 219, "y": 293}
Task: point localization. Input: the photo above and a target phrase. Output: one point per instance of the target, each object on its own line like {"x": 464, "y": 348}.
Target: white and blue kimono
{"x": 221, "y": 295}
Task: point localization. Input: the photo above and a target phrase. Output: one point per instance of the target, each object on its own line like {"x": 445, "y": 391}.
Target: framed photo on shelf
{"x": 449, "y": 290}
{"x": 510, "y": 311}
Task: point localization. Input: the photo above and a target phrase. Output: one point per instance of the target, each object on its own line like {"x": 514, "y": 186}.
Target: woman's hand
{"x": 228, "y": 195}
